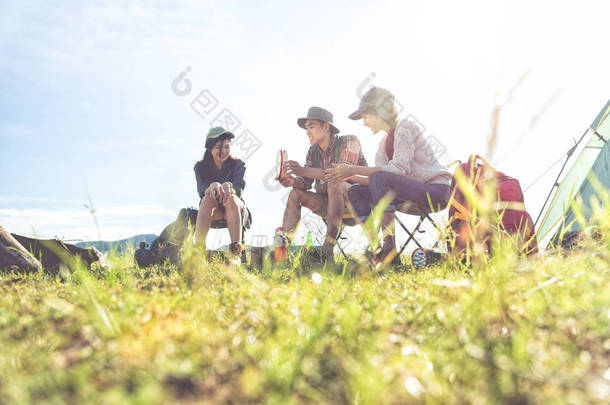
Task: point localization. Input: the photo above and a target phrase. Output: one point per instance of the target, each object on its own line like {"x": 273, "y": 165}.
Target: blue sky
{"x": 86, "y": 100}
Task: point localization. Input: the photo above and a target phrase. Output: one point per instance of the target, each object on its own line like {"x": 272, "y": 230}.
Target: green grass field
{"x": 513, "y": 331}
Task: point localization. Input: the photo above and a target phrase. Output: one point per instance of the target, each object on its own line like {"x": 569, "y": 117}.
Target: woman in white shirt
{"x": 406, "y": 169}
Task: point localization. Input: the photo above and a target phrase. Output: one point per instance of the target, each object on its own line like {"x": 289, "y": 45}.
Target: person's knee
{"x": 296, "y": 196}
{"x": 378, "y": 179}
{"x": 231, "y": 202}
{"x": 356, "y": 192}
{"x": 207, "y": 203}
{"x": 334, "y": 191}
{"x": 381, "y": 186}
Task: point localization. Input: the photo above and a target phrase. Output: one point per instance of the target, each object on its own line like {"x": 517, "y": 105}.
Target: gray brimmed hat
{"x": 376, "y": 101}
{"x": 320, "y": 114}
{"x": 215, "y": 133}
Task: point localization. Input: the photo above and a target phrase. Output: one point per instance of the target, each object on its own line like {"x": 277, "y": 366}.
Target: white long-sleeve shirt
{"x": 413, "y": 156}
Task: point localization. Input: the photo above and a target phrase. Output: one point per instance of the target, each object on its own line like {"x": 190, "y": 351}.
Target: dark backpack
{"x": 169, "y": 242}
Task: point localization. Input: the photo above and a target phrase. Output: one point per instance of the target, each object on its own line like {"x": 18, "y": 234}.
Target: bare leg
{"x": 233, "y": 207}
{"x": 208, "y": 212}
{"x": 297, "y": 199}
{"x": 292, "y": 213}
{"x": 336, "y": 208}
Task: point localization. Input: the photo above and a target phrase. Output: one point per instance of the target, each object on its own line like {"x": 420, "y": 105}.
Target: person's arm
{"x": 363, "y": 180}
{"x": 296, "y": 182}
{"x": 344, "y": 172}
{"x": 404, "y": 148}
{"x": 201, "y": 184}
{"x": 310, "y": 172}
{"x": 363, "y": 170}
{"x": 238, "y": 176}
{"x": 349, "y": 169}
{"x": 304, "y": 175}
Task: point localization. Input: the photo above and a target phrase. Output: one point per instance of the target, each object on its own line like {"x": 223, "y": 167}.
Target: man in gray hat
{"x": 328, "y": 200}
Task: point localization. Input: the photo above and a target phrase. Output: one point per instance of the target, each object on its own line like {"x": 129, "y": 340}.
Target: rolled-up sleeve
{"x": 404, "y": 149}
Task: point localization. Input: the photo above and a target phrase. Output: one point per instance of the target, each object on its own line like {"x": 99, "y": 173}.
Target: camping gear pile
{"x": 22, "y": 254}
{"x": 468, "y": 218}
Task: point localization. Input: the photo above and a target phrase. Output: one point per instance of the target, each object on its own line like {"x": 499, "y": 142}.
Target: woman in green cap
{"x": 220, "y": 183}
{"x": 406, "y": 169}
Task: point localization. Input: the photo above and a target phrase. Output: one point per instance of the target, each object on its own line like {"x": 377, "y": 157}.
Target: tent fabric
{"x": 593, "y": 160}
{"x": 601, "y": 172}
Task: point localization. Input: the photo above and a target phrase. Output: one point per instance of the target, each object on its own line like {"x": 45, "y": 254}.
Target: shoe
{"x": 235, "y": 253}
{"x": 389, "y": 258}
{"x": 380, "y": 257}
{"x": 372, "y": 255}
{"x": 281, "y": 243}
{"x": 328, "y": 255}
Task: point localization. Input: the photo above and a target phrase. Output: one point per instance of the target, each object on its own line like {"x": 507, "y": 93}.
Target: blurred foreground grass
{"x": 515, "y": 331}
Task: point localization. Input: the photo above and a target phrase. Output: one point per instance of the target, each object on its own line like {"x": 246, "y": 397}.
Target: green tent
{"x": 592, "y": 161}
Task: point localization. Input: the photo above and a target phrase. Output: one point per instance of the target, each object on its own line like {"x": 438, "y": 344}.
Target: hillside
{"x": 121, "y": 246}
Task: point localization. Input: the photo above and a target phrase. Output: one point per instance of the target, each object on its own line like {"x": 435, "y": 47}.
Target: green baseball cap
{"x": 215, "y": 133}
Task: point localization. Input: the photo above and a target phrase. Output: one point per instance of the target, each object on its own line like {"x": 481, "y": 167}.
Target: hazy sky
{"x": 87, "y": 106}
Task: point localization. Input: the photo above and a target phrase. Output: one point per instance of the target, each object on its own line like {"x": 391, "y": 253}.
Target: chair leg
{"x": 438, "y": 228}
{"x": 411, "y": 236}
{"x": 243, "y": 246}
{"x": 337, "y": 241}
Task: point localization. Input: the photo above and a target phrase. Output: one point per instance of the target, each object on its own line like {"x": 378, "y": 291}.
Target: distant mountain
{"x": 120, "y": 245}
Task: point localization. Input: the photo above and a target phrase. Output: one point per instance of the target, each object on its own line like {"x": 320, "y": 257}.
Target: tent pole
{"x": 555, "y": 183}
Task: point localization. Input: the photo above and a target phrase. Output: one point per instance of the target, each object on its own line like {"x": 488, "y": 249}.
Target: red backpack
{"x": 509, "y": 203}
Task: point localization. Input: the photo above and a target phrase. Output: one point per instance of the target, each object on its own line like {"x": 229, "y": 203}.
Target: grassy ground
{"x": 513, "y": 331}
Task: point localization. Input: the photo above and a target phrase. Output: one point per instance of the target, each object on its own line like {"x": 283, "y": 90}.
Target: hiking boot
{"x": 389, "y": 255}
{"x": 371, "y": 255}
{"x": 328, "y": 256}
{"x": 235, "y": 253}
{"x": 383, "y": 256}
{"x": 388, "y": 258}
{"x": 320, "y": 256}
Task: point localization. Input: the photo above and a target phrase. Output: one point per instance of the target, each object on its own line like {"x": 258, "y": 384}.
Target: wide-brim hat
{"x": 320, "y": 114}
{"x": 215, "y": 133}
{"x": 376, "y": 100}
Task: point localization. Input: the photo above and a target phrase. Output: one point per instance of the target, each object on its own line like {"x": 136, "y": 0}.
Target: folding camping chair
{"x": 411, "y": 208}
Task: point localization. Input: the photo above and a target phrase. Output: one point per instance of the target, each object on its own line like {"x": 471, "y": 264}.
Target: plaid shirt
{"x": 351, "y": 154}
